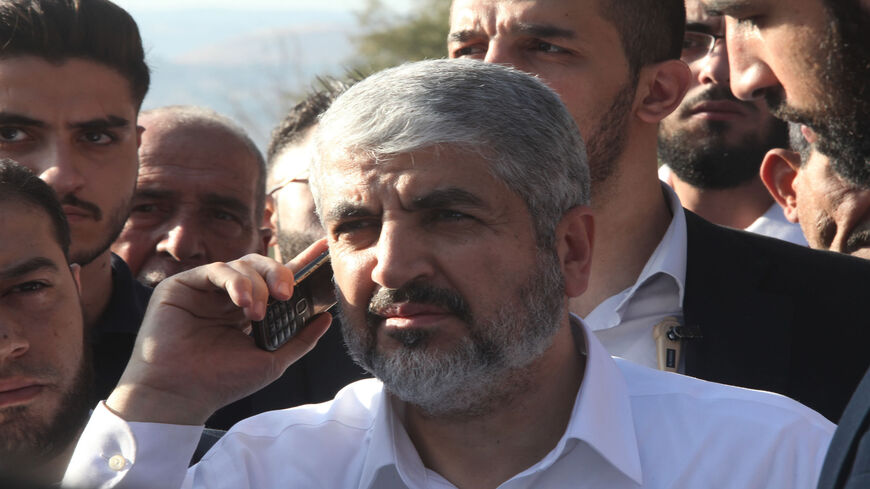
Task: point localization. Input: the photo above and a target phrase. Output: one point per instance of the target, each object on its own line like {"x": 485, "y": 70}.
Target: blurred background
{"x": 252, "y": 60}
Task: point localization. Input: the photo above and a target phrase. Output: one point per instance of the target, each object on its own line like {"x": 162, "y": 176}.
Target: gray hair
{"x": 191, "y": 115}
{"x": 511, "y": 119}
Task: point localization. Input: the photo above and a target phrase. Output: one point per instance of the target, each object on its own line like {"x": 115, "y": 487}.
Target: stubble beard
{"x": 605, "y": 145}
{"x": 28, "y": 443}
{"x": 114, "y": 225}
{"x": 486, "y": 368}
{"x": 841, "y": 118}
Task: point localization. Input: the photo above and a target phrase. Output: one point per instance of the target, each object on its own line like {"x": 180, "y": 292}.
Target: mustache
{"x": 421, "y": 293}
{"x": 717, "y": 93}
{"x": 89, "y": 207}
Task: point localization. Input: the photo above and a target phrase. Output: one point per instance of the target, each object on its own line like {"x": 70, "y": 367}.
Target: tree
{"x": 388, "y": 39}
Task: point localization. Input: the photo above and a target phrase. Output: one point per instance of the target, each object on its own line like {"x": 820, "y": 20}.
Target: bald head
{"x": 199, "y": 195}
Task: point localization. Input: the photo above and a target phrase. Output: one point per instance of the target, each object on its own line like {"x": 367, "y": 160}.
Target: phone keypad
{"x": 283, "y": 320}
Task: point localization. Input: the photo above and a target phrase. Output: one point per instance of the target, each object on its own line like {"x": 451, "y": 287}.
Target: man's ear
{"x": 574, "y": 235}
{"x": 139, "y": 131}
{"x": 779, "y": 169}
{"x": 661, "y": 87}
{"x": 76, "y": 270}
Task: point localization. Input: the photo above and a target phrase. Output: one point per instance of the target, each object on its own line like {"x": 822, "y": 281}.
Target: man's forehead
{"x": 697, "y": 13}
{"x": 35, "y": 245}
{"x": 517, "y": 14}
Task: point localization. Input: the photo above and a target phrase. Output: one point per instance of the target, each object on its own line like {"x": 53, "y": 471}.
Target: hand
{"x": 193, "y": 354}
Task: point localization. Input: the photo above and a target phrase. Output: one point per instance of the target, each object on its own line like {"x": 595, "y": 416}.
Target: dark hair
{"x": 304, "y": 115}
{"x": 56, "y": 30}
{"x": 18, "y": 184}
{"x": 650, "y": 30}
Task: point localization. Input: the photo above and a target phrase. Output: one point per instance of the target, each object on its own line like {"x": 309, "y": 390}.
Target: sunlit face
{"x": 714, "y": 140}
{"x": 297, "y": 223}
{"x": 44, "y": 373}
{"x": 443, "y": 289}
{"x": 195, "y": 201}
{"x": 833, "y": 214}
{"x": 74, "y": 125}
{"x": 570, "y": 47}
{"x": 804, "y": 60}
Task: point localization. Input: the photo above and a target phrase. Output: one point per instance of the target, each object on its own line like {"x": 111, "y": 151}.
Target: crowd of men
{"x": 604, "y": 244}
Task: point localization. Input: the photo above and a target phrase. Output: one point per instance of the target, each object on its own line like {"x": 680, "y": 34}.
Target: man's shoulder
{"x": 353, "y": 409}
{"x": 693, "y": 396}
{"x": 315, "y": 445}
{"x": 725, "y": 247}
{"x": 699, "y": 411}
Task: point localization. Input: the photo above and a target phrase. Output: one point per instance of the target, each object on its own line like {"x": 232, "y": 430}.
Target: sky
{"x": 246, "y": 59}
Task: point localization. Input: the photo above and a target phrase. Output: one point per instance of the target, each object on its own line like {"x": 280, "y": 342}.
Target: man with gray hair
{"x": 199, "y": 194}
{"x": 455, "y": 199}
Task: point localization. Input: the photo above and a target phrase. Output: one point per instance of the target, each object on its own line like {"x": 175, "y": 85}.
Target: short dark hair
{"x": 19, "y": 184}
{"x": 56, "y": 30}
{"x": 304, "y": 115}
{"x": 650, "y": 30}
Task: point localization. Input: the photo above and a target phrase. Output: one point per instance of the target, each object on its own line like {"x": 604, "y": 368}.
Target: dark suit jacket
{"x": 776, "y": 316}
{"x": 847, "y": 465}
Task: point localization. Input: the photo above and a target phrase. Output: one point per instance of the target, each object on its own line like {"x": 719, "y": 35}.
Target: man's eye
{"x": 468, "y": 50}
{"x": 144, "y": 208}
{"x": 29, "y": 287}
{"x": 98, "y": 137}
{"x": 12, "y": 134}
{"x": 449, "y": 215}
{"x": 546, "y": 47}
{"x": 350, "y": 227}
{"x": 224, "y": 216}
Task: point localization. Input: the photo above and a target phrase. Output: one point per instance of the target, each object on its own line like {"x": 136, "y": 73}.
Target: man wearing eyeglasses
{"x": 713, "y": 144}
{"x": 289, "y": 203}
{"x": 199, "y": 194}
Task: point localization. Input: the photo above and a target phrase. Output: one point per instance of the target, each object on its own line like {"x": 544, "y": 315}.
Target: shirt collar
{"x": 601, "y": 418}
{"x": 669, "y": 257}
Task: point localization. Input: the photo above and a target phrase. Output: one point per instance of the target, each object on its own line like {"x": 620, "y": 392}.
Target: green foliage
{"x": 388, "y": 39}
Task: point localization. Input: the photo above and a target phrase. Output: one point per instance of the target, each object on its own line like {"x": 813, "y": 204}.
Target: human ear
{"x": 574, "y": 235}
{"x": 75, "y": 270}
{"x": 664, "y": 85}
{"x": 779, "y": 169}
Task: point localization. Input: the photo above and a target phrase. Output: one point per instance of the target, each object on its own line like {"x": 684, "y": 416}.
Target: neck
{"x": 512, "y": 436}
{"x": 96, "y": 279}
{"x": 631, "y": 217}
{"x": 49, "y": 473}
{"x": 736, "y": 207}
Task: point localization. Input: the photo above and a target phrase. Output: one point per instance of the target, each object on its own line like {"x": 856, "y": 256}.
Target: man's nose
{"x": 714, "y": 67}
{"x": 183, "y": 240}
{"x": 12, "y": 343}
{"x": 402, "y": 256}
{"x": 749, "y": 74}
{"x": 60, "y": 167}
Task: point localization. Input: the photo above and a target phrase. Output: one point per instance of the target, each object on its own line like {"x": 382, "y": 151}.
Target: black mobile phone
{"x": 312, "y": 295}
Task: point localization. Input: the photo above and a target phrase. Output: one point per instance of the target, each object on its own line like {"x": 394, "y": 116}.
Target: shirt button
{"x": 117, "y": 462}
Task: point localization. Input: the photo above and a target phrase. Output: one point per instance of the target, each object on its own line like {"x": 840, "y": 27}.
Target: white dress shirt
{"x": 624, "y": 322}
{"x": 774, "y": 224}
{"x": 631, "y": 427}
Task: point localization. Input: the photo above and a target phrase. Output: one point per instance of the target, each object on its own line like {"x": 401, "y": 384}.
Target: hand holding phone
{"x": 313, "y": 293}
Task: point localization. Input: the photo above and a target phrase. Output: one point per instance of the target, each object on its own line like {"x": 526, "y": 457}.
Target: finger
{"x": 304, "y": 341}
{"x": 308, "y": 255}
{"x": 258, "y": 288}
{"x": 278, "y": 278}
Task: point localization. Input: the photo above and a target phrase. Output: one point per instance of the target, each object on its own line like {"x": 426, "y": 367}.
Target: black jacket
{"x": 776, "y": 316}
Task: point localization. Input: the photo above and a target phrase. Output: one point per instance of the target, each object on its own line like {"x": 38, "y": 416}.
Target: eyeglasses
{"x": 698, "y": 45}
{"x": 284, "y": 183}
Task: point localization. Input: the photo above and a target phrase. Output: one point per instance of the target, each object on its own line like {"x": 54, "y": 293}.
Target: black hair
{"x": 57, "y": 30}
{"x": 19, "y": 184}
{"x": 650, "y": 30}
